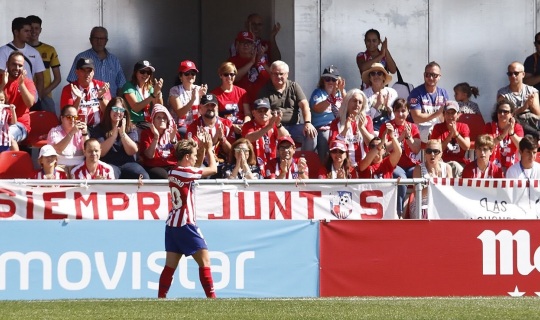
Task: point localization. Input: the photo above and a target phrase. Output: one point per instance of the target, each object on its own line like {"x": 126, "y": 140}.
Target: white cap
{"x": 47, "y": 150}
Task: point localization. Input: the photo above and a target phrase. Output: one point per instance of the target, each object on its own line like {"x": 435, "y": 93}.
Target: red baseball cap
{"x": 245, "y": 36}
{"x": 338, "y": 144}
{"x": 288, "y": 139}
{"x": 187, "y": 65}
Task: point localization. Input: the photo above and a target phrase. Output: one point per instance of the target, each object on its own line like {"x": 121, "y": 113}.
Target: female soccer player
{"x": 182, "y": 236}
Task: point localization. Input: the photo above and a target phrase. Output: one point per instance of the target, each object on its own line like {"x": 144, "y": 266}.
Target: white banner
{"x": 375, "y": 200}
{"x": 122, "y": 201}
{"x": 483, "y": 199}
{"x": 84, "y": 202}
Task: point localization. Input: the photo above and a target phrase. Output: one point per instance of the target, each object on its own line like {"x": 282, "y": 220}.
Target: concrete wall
{"x": 162, "y": 31}
{"x": 472, "y": 41}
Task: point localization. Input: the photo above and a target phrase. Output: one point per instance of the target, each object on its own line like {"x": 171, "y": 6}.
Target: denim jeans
{"x": 18, "y": 132}
{"x": 322, "y": 145}
{"x": 399, "y": 172}
{"x": 129, "y": 170}
{"x": 297, "y": 133}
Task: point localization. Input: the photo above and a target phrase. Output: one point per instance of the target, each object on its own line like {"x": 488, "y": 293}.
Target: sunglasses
{"x": 376, "y": 73}
{"x": 337, "y": 151}
{"x": 70, "y": 117}
{"x": 537, "y": 42}
{"x": 232, "y": 74}
{"x": 431, "y": 75}
{"x": 145, "y": 72}
{"x": 514, "y": 73}
{"x": 328, "y": 79}
{"x": 433, "y": 151}
{"x": 190, "y": 73}
{"x": 118, "y": 109}
{"x": 501, "y": 111}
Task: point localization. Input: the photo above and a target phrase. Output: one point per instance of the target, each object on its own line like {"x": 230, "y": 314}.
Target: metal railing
{"x": 418, "y": 183}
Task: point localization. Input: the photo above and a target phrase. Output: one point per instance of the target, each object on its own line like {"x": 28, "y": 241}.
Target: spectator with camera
{"x": 68, "y": 138}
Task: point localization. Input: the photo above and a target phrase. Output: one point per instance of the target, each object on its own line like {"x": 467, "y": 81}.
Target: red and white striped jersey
{"x": 5, "y": 117}
{"x": 103, "y": 171}
{"x": 181, "y": 185}
{"x": 58, "y": 175}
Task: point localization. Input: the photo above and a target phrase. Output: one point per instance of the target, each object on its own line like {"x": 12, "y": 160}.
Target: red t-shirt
{"x": 381, "y": 170}
{"x": 231, "y": 104}
{"x": 408, "y": 159}
{"x": 13, "y": 96}
{"x": 164, "y": 154}
{"x": 452, "y": 152}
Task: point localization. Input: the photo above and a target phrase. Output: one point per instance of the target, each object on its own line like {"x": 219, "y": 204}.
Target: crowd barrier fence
{"x": 104, "y": 239}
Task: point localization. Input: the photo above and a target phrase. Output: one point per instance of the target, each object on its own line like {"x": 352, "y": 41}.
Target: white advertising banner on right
{"x": 451, "y": 198}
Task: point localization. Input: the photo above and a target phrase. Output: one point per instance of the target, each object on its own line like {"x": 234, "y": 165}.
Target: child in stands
{"x": 48, "y": 159}
{"x": 483, "y": 167}
{"x": 7, "y": 118}
{"x": 462, "y": 93}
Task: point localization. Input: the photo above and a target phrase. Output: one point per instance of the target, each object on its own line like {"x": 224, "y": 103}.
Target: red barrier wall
{"x": 430, "y": 258}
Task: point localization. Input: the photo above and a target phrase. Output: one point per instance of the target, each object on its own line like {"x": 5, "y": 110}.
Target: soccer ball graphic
{"x": 341, "y": 204}
{"x": 345, "y": 200}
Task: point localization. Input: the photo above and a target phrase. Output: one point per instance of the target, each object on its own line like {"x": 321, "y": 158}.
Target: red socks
{"x": 206, "y": 280}
{"x": 204, "y": 275}
{"x": 165, "y": 281}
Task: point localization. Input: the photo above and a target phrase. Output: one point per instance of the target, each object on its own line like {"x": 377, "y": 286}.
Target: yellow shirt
{"x": 50, "y": 60}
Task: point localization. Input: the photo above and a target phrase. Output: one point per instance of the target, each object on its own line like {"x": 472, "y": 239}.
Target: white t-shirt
{"x": 517, "y": 172}
{"x": 29, "y": 52}
{"x": 185, "y": 96}
{"x": 372, "y": 100}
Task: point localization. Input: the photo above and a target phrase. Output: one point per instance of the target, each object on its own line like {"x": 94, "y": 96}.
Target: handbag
{"x": 403, "y": 88}
{"x": 380, "y": 120}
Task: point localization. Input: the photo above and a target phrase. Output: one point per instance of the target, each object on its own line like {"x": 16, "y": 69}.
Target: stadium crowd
{"x": 261, "y": 123}
{"x": 257, "y": 124}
